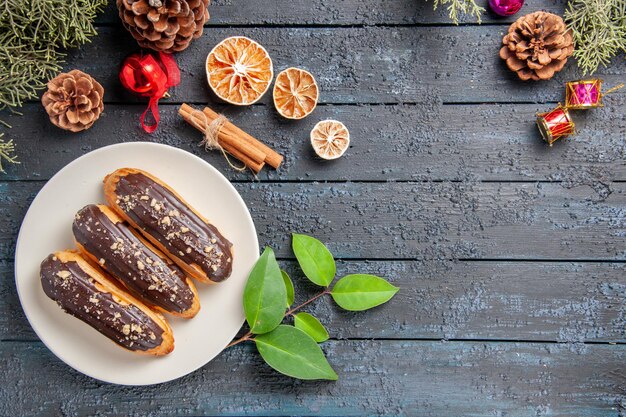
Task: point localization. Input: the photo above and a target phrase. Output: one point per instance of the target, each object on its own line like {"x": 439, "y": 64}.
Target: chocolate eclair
{"x": 168, "y": 222}
{"x": 87, "y": 293}
{"x": 104, "y": 238}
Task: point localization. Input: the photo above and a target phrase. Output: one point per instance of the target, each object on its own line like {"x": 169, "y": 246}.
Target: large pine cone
{"x": 537, "y": 46}
{"x": 73, "y": 101}
{"x": 164, "y": 25}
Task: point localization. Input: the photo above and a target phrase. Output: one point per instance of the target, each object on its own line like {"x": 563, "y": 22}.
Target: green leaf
{"x": 265, "y": 294}
{"x": 311, "y": 326}
{"x": 361, "y": 292}
{"x": 315, "y": 259}
{"x": 294, "y": 353}
{"x": 289, "y": 287}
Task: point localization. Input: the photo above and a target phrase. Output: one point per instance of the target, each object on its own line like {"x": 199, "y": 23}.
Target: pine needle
{"x": 459, "y": 8}
{"x": 6, "y": 149}
{"x": 31, "y": 34}
{"x": 599, "y": 31}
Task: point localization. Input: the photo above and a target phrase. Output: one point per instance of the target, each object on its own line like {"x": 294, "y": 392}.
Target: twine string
{"x": 617, "y": 87}
{"x": 211, "y": 135}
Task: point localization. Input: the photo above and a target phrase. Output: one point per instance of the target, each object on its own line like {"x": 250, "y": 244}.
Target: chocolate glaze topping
{"x": 146, "y": 275}
{"x": 76, "y": 293}
{"x": 158, "y": 212}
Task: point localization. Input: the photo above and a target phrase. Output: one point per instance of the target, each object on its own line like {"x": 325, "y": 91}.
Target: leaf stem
{"x": 248, "y": 336}
{"x": 245, "y": 337}
{"x": 290, "y": 312}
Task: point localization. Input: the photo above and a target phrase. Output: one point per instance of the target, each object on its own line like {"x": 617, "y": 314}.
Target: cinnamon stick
{"x": 228, "y": 136}
{"x": 251, "y": 157}
{"x": 230, "y": 145}
{"x": 231, "y": 140}
{"x": 272, "y": 158}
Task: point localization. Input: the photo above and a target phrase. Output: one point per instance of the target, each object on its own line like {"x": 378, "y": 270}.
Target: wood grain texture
{"x": 417, "y": 220}
{"x": 509, "y": 254}
{"x": 355, "y": 65}
{"x": 537, "y": 301}
{"x": 389, "y": 142}
{"x": 337, "y": 13}
{"x": 375, "y": 377}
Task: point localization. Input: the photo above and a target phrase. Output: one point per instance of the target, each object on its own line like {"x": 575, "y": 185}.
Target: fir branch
{"x": 6, "y": 149}
{"x": 31, "y": 34}
{"x": 599, "y": 31}
{"x": 458, "y": 8}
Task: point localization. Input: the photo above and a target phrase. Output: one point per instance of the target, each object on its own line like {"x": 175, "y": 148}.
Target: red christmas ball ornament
{"x": 150, "y": 75}
{"x": 506, "y": 7}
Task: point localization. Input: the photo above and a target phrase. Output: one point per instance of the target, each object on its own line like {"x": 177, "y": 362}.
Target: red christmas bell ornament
{"x": 150, "y": 75}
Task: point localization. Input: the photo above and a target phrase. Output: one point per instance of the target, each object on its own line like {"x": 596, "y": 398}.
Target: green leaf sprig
{"x": 293, "y": 350}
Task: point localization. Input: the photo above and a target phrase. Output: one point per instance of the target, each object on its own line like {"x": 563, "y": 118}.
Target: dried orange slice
{"x": 295, "y": 93}
{"x": 239, "y": 70}
{"x": 330, "y": 139}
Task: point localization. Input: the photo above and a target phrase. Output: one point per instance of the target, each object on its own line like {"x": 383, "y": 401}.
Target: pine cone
{"x": 164, "y": 25}
{"x": 73, "y": 101}
{"x": 537, "y": 46}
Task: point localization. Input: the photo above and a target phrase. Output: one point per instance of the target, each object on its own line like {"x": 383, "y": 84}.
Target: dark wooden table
{"x": 509, "y": 254}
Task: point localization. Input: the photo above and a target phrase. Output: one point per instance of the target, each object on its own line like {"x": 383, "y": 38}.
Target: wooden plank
{"x": 396, "y": 142}
{"x": 417, "y": 220}
{"x": 335, "y": 13}
{"x": 376, "y": 377}
{"x": 356, "y": 65}
{"x": 14, "y": 324}
{"x": 537, "y": 301}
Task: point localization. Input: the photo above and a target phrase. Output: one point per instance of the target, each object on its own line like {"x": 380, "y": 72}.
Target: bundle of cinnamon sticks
{"x": 253, "y": 153}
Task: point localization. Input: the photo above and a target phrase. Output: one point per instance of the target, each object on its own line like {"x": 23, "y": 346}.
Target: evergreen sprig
{"x": 459, "y": 8}
{"x": 31, "y": 34}
{"x": 599, "y": 31}
{"x": 6, "y": 152}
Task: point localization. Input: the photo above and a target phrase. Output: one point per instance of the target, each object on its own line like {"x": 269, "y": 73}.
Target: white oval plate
{"x": 47, "y": 228}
